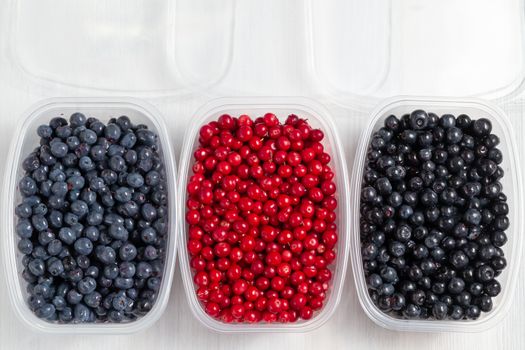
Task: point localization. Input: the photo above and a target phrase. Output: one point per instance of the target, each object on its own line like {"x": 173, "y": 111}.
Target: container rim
{"x": 228, "y": 104}
{"x": 507, "y": 294}
{"x": 8, "y": 202}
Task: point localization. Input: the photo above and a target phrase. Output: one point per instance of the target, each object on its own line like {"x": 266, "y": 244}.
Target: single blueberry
{"x": 93, "y": 299}
{"x": 77, "y": 119}
{"x": 87, "y": 285}
{"x": 67, "y": 235}
{"x": 105, "y": 254}
{"x": 128, "y": 140}
{"x": 128, "y": 252}
{"x": 46, "y": 311}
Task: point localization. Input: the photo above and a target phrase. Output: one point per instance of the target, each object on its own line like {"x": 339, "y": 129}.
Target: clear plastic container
{"x": 170, "y": 47}
{"x": 364, "y": 51}
{"x": 24, "y": 141}
{"x": 318, "y": 117}
{"x": 512, "y": 187}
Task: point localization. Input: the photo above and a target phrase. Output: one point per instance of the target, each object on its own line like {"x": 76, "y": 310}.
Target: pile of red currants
{"x": 261, "y": 219}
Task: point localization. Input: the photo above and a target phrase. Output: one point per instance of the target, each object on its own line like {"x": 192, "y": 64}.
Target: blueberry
{"x": 447, "y": 121}
{"x": 88, "y": 136}
{"x": 418, "y": 119}
{"x": 36, "y": 301}
{"x": 97, "y": 184}
{"x": 75, "y": 275}
{"x": 456, "y": 285}
{"x": 152, "y": 178}
{"x": 144, "y": 270}
{"x": 112, "y": 132}
{"x": 37, "y": 267}
{"x": 67, "y": 235}
{"x": 412, "y": 311}
{"x": 59, "y": 149}
{"x": 44, "y": 131}
{"x": 111, "y": 271}
{"x": 72, "y": 142}
{"x": 83, "y": 246}
{"x": 472, "y": 312}
{"x": 92, "y": 271}
{"x": 117, "y": 163}
{"x": 389, "y": 274}
{"x": 123, "y": 283}
{"x": 128, "y": 252}
{"x": 128, "y": 140}
{"x": 77, "y": 119}
{"x": 120, "y": 301}
{"x": 124, "y": 123}
{"x": 123, "y": 194}
{"x": 409, "y": 137}
{"x": 439, "y": 310}
{"x": 25, "y": 246}
{"x": 485, "y": 273}
{"x": 23, "y": 210}
{"x": 85, "y": 163}
{"x": 87, "y": 285}
{"x": 39, "y": 223}
{"x": 27, "y": 186}
{"x": 79, "y": 208}
{"x": 94, "y": 218}
{"x": 93, "y": 299}
{"x": 149, "y": 236}
{"x": 59, "y": 302}
{"x": 146, "y": 137}
{"x": 63, "y": 131}
{"x": 135, "y": 180}
{"x": 97, "y": 153}
{"x": 492, "y": 288}
{"x": 472, "y": 216}
{"x": 66, "y": 315}
{"x": 46, "y": 311}
{"x": 75, "y": 182}
{"x": 92, "y": 233}
{"x": 116, "y": 316}
{"x": 386, "y": 289}
{"x": 24, "y": 228}
{"x": 105, "y": 254}
{"x": 118, "y": 231}
{"x": 129, "y": 209}
{"x": 82, "y": 313}
{"x": 148, "y": 211}
{"x": 43, "y": 289}
{"x": 374, "y": 281}
{"x": 59, "y": 188}
{"x": 482, "y": 127}
{"x": 127, "y": 269}
{"x": 55, "y": 267}
{"x": 116, "y": 150}
{"x": 154, "y": 283}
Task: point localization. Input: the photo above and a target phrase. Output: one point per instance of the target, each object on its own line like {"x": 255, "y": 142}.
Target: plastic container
{"x": 318, "y": 117}
{"x": 170, "y": 46}
{"x": 512, "y": 187}
{"x": 364, "y": 51}
{"x": 24, "y": 141}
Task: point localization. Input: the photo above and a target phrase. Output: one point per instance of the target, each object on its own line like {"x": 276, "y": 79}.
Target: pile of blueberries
{"x": 433, "y": 217}
{"x": 93, "y": 220}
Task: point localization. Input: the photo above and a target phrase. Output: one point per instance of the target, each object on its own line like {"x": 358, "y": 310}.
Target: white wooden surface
{"x": 275, "y": 47}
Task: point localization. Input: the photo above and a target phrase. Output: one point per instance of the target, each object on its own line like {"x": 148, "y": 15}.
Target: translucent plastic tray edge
{"x": 508, "y": 290}
{"x": 7, "y": 206}
{"x": 269, "y": 103}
